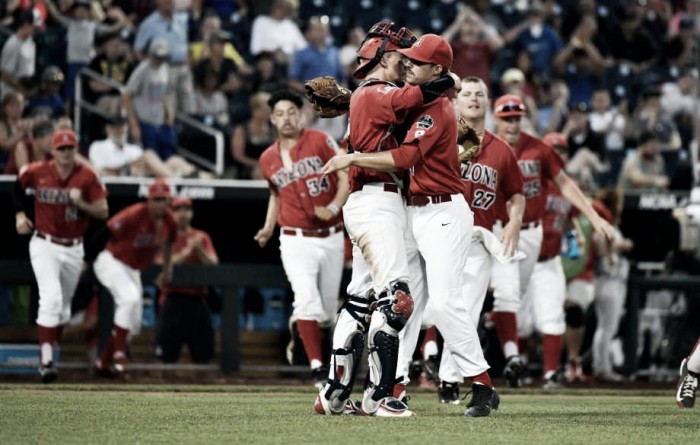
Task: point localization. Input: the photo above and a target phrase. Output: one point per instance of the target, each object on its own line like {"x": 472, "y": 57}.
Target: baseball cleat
{"x": 388, "y": 407}
{"x": 48, "y": 373}
{"x": 484, "y": 400}
{"x": 574, "y": 371}
{"x": 687, "y": 385}
{"x": 349, "y": 407}
{"x": 552, "y": 381}
{"x": 431, "y": 367}
{"x": 319, "y": 376}
{"x": 514, "y": 371}
{"x": 449, "y": 393}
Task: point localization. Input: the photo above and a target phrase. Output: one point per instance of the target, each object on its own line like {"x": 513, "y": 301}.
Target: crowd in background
{"x": 615, "y": 76}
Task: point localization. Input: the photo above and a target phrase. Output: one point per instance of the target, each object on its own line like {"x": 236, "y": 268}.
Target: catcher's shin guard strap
{"x": 358, "y": 308}
{"x": 383, "y": 356}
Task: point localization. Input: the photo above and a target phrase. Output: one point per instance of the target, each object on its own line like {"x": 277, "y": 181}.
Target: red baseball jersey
{"x": 493, "y": 170}
{"x": 304, "y": 187}
{"x": 375, "y": 109}
{"x": 135, "y": 236}
{"x": 54, "y": 214}
{"x": 430, "y": 151}
{"x": 558, "y": 211}
{"x": 538, "y": 163}
{"x": 181, "y": 242}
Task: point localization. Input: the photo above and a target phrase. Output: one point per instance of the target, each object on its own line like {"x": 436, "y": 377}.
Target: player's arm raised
{"x": 573, "y": 193}
{"x": 264, "y": 234}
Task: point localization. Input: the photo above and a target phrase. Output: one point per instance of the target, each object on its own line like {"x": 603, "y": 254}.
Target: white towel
{"x": 494, "y": 246}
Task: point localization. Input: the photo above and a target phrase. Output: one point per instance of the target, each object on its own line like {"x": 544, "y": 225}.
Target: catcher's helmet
{"x": 383, "y": 37}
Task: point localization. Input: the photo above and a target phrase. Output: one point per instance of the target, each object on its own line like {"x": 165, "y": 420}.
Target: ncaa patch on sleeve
{"x": 425, "y": 122}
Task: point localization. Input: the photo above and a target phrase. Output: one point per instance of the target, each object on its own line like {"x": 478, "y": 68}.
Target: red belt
{"x": 388, "y": 186}
{"x": 530, "y": 225}
{"x": 67, "y": 242}
{"x": 425, "y": 200}
{"x": 313, "y": 233}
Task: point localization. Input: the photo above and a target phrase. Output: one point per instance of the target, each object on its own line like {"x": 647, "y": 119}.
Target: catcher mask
{"x": 383, "y": 37}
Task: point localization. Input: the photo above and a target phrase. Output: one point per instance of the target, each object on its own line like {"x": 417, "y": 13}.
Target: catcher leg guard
{"x": 393, "y": 311}
{"x": 348, "y": 344}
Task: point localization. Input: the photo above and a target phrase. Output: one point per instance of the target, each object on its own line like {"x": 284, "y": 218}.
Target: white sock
{"x": 46, "y": 353}
{"x": 429, "y": 349}
{"x": 315, "y": 364}
{"x": 510, "y": 348}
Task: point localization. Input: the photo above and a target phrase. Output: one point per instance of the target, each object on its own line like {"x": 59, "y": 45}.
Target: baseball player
{"x": 375, "y": 218}
{"x": 306, "y": 205}
{"x": 185, "y": 316}
{"x": 542, "y": 308}
{"x": 612, "y": 270}
{"x": 538, "y": 164}
{"x": 438, "y": 217}
{"x": 688, "y": 383}
{"x": 492, "y": 170}
{"x": 132, "y": 237}
{"x": 66, "y": 195}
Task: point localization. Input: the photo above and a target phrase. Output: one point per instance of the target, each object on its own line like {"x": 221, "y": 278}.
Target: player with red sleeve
{"x": 492, "y": 170}
{"x": 306, "y": 205}
{"x": 185, "y": 317}
{"x": 375, "y": 218}
{"x": 438, "y": 217}
{"x": 133, "y": 237}
{"x": 66, "y": 195}
{"x": 538, "y": 164}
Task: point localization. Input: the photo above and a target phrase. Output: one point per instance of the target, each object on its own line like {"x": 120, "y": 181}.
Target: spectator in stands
{"x": 199, "y": 50}
{"x": 269, "y": 76}
{"x": 171, "y": 26}
{"x": 586, "y": 147}
{"x": 650, "y": 117}
{"x": 608, "y": 120}
{"x": 148, "y": 102}
{"x": 644, "y": 169}
{"x": 112, "y": 62}
{"x": 17, "y": 62}
{"x": 318, "y": 58}
{"x": 630, "y": 43}
{"x": 31, "y": 149}
{"x": 679, "y": 102}
{"x": 552, "y": 106}
{"x": 276, "y": 32}
{"x": 185, "y": 317}
{"x": 82, "y": 30}
{"x": 251, "y": 138}
{"x": 537, "y": 37}
{"x": 210, "y": 104}
{"x": 224, "y": 68}
{"x": 513, "y": 82}
{"x": 48, "y": 101}
{"x": 12, "y": 127}
{"x": 115, "y": 156}
{"x": 474, "y": 44}
{"x": 348, "y": 52}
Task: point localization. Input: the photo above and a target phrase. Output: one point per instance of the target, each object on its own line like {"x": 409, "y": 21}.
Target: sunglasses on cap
{"x": 66, "y": 148}
{"x": 510, "y": 107}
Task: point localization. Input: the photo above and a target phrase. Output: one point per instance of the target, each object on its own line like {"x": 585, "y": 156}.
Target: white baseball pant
{"x": 314, "y": 268}
{"x": 609, "y": 301}
{"x": 57, "y": 271}
{"x": 542, "y": 309}
{"x": 581, "y": 292}
{"x": 124, "y": 283}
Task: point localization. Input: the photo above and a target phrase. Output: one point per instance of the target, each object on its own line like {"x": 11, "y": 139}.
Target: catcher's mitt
{"x": 469, "y": 142}
{"x": 328, "y": 98}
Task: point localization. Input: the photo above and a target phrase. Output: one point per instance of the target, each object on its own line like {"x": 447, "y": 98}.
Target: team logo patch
{"x": 425, "y": 123}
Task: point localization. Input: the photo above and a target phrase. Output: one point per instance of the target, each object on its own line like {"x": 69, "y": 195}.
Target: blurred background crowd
{"x": 615, "y": 76}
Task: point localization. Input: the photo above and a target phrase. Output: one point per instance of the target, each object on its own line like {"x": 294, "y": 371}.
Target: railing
{"x": 217, "y": 166}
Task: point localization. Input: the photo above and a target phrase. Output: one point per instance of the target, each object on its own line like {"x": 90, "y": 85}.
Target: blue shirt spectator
{"x": 168, "y": 25}
{"x": 318, "y": 58}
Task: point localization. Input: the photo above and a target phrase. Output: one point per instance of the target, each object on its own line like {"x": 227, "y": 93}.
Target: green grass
{"x": 128, "y": 414}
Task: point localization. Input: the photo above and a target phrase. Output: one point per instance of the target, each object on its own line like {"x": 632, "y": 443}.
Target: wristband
{"x": 334, "y": 209}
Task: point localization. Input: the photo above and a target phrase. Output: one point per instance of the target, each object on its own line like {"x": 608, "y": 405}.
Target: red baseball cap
{"x": 159, "y": 189}
{"x": 556, "y": 140}
{"x": 181, "y": 201}
{"x": 509, "y": 105}
{"x": 430, "y": 48}
{"x": 64, "y": 137}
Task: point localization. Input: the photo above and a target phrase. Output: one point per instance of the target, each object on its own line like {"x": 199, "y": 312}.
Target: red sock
{"x": 551, "y": 346}
{"x": 47, "y": 336}
{"x": 120, "y": 335}
{"x": 483, "y": 378}
{"x": 59, "y": 333}
{"x": 310, "y": 333}
{"x": 430, "y": 335}
{"x": 523, "y": 345}
{"x": 107, "y": 354}
{"x": 506, "y": 327}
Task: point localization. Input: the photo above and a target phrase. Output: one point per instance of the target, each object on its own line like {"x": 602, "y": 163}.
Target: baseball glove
{"x": 328, "y": 98}
{"x": 468, "y": 140}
